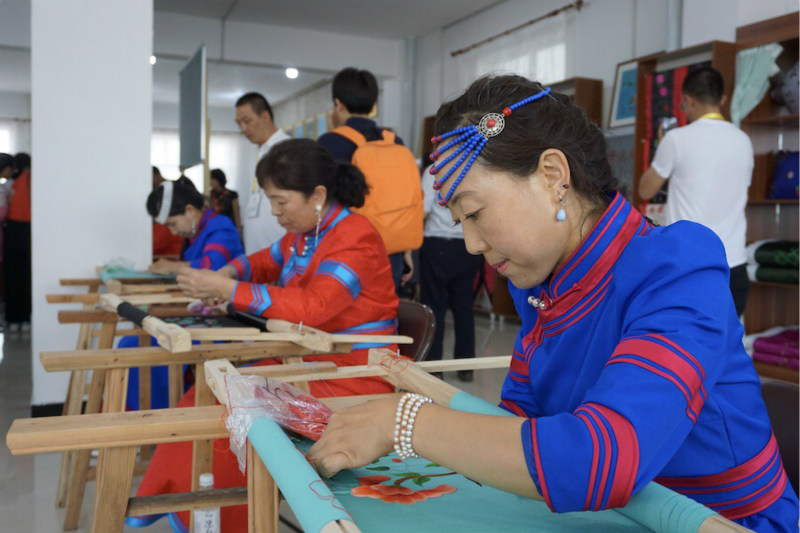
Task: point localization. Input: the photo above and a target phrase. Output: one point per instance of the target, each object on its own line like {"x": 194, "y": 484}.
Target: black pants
{"x": 397, "y": 263}
{"x": 447, "y": 275}
{"x": 17, "y": 258}
{"x": 740, "y": 286}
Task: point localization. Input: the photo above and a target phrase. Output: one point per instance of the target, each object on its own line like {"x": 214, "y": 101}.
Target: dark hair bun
{"x": 303, "y": 165}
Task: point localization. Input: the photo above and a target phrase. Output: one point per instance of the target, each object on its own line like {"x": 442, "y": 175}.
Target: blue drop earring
{"x": 562, "y": 214}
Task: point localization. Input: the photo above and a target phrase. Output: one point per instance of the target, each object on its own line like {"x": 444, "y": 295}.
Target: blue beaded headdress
{"x": 472, "y": 139}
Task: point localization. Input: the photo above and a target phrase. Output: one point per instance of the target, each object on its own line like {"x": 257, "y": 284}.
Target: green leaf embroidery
{"x": 431, "y": 465}
{"x": 378, "y": 468}
{"x": 407, "y": 474}
{"x": 421, "y": 480}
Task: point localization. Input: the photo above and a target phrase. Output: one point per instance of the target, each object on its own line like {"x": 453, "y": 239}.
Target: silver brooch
{"x": 491, "y": 124}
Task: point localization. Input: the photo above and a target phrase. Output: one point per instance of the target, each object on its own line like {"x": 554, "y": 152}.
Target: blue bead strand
{"x": 470, "y": 146}
{"x": 466, "y": 169}
{"x": 454, "y": 132}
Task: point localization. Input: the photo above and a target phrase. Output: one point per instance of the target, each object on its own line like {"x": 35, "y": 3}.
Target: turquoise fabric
{"x": 463, "y": 401}
{"x": 309, "y": 497}
{"x": 420, "y": 496}
{"x": 754, "y": 66}
{"x": 118, "y": 272}
{"x": 663, "y": 510}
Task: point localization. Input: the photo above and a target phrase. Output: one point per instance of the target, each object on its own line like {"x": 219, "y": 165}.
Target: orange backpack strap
{"x": 389, "y": 136}
{"x": 351, "y": 134}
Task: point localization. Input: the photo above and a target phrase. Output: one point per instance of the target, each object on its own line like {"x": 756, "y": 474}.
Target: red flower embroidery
{"x": 371, "y": 487}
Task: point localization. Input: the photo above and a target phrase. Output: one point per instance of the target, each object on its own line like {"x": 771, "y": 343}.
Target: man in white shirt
{"x": 709, "y": 164}
{"x": 255, "y": 120}
{"x": 447, "y": 276}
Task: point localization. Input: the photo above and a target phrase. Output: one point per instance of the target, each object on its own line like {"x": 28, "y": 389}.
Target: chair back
{"x": 781, "y": 398}
{"x": 416, "y": 320}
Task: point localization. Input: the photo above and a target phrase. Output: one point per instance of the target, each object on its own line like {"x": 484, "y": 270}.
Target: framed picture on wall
{"x": 623, "y": 100}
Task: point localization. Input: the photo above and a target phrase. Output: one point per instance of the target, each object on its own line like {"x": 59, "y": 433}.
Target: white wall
{"x": 605, "y": 33}
{"x": 15, "y": 105}
{"x": 91, "y": 80}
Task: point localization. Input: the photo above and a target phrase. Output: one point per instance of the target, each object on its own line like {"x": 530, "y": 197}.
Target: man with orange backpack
{"x": 394, "y": 203}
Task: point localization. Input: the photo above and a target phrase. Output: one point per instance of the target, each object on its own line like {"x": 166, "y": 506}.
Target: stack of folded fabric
{"x": 778, "y": 349}
{"x": 773, "y": 260}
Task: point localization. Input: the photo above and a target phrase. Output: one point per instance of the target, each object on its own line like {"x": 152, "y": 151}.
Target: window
{"x": 231, "y": 152}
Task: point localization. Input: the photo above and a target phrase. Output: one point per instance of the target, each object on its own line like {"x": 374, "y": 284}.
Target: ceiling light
{"x": 292, "y": 73}
{"x": 152, "y": 60}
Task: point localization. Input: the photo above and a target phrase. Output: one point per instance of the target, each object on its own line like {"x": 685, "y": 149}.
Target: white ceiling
{"x": 227, "y": 82}
{"x": 388, "y": 19}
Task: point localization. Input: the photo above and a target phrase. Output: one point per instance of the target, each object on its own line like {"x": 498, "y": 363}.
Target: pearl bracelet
{"x": 407, "y": 409}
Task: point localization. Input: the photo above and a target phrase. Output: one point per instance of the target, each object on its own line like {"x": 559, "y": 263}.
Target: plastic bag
{"x": 253, "y": 397}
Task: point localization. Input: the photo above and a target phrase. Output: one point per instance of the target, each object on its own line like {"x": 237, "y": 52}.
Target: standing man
{"x": 255, "y": 120}
{"x": 394, "y": 202}
{"x": 447, "y": 278}
{"x": 709, "y": 164}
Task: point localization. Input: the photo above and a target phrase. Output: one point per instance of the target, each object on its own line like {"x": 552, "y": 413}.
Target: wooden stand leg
{"x": 72, "y": 407}
{"x": 263, "y": 503}
{"x": 175, "y": 378}
{"x": 114, "y": 466}
{"x": 303, "y": 385}
{"x": 78, "y": 477}
{"x": 202, "y": 450}
{"x": 145, "y": 396}
{"x": 113, "y": 488}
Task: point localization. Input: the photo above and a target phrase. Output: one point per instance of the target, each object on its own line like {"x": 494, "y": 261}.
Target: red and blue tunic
{"x": 339, "y": 281}
{"x": 634, "y": 372}
{"x": 215, "y": 243}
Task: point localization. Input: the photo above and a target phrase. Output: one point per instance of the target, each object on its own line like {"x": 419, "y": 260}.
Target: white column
{"x": 91, "y": 124}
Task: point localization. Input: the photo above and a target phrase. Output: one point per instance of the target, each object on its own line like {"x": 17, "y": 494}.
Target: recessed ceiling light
{"x": 292, "y": 73}
{"x": 152, "y": 60}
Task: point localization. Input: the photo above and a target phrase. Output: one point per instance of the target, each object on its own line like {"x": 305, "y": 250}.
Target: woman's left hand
{"x": 164, "y": 266}
{"x": 355, "y": 437}
{"x": 204, "y": 284}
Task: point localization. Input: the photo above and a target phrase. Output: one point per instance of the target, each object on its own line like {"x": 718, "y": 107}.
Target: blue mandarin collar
{"x": 578, "y": 269}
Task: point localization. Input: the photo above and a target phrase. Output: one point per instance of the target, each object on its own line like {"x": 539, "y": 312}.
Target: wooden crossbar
{"x": 63, "y": 361}
{"x": 132, "y": 428}
{"x": 186, "y": 501}
{"x": 375, "y": 370}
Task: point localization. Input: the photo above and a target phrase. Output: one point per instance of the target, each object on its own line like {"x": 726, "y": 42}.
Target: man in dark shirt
{"x": 355, "y": 95}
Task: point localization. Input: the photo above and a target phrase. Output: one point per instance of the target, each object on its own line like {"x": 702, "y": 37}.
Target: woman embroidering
{"x": 629, "y": 366}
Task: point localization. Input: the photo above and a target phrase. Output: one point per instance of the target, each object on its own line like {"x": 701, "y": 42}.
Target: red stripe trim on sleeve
{"x": 514, "y": 408}
{"x": 595, "y": 457}
{"x": 539, "y": 469}
{"x": 670, "y": 360}
{"x": 627, "y": 465}
{"x": 606, "y": 458}
{"x": 216, "y": 247}
{"x": 680, "y": 386}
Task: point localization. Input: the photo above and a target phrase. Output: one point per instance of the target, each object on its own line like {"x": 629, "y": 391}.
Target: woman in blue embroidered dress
{"x": 211, "y": 240}
{"x": 629, "y": 366}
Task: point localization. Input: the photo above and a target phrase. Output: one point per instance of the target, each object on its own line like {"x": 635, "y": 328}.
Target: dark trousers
{"x": 397, "y": 263}
{"x": 740, "y": 286}
{"x": 17, "y": 258}
{"x": 447, "y": 276}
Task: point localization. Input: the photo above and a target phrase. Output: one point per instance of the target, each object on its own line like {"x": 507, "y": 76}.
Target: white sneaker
{"x": 26, "y": 327}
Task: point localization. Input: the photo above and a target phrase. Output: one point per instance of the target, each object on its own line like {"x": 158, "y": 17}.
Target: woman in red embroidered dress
{"x": 330, "y": 271}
